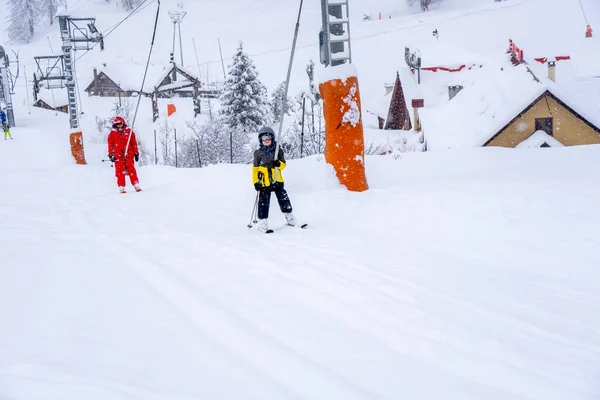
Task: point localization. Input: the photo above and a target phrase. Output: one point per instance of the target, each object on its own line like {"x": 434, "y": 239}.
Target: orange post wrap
{"x": 77, "y": 147}
{"x": 344, "y": 140}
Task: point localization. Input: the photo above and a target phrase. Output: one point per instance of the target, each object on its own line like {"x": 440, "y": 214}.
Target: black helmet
{"x": 266, "y": 131}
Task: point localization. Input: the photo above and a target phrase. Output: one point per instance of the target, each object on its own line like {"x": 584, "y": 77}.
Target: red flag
{"x": 170, "y": 109}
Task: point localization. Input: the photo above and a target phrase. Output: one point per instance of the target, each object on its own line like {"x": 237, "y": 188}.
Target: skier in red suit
{"x": 124, "y": 163}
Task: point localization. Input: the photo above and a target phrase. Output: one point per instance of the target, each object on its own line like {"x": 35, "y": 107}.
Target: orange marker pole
{"x": 344, "y": 139}
{"x": 76, "y": 140}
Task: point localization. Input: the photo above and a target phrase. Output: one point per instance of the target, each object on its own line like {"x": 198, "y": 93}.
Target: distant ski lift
{"x": 54, "y": 78}
{"x": 82, "y": 37}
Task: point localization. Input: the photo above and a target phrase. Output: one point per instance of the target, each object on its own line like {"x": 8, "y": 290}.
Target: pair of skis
{"x": 301, "y": 226}
{"x": 125, "y": 191}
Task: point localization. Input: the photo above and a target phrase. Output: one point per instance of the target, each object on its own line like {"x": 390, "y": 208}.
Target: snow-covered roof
{"x": 167, "y": 70}
{"x": 441, "y": 54}
{"x": 411, "y": 90}
{"x": 129, "y": 78}
{"x": 176, "y": 85}
{"x": 492, "y": 96}
{"x": 582, "y": 52}
{"x": 380, "y": 105}
{"x": 537, "y": 139}
{"x": 54, "y": 97}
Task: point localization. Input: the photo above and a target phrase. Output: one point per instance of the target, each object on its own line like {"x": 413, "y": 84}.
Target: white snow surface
{"x": 463, "y": 274}
{"x": 539, "y": 138}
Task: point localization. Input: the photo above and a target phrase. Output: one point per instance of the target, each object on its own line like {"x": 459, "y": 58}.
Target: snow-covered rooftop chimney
{"x": 453, "y": 90}
{"x": 552, "y": 70}
{"x": 95, "y": 79}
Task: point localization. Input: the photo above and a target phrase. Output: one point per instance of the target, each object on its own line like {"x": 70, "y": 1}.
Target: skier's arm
{"x": 111, "y": 144}
{"x": 255, "y": 168}
{"x": 281, "y": 159}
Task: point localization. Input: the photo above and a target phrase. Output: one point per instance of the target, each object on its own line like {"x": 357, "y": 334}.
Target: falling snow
{"x": 352, "y": 115}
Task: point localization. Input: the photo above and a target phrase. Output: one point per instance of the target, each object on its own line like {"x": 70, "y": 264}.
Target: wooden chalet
{"x": 102, "y": 85}
{"x": 551, "y": 113}
{"x": 42, "y": 104}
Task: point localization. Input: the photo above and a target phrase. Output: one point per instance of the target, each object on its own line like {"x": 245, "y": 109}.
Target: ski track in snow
{"x": 307, "y": 314}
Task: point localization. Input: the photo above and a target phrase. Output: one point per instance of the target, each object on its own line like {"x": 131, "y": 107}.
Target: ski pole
{"x": 254, "y": 209}
{"x": 287, "y": 85}
{"x": 109, "y": 160}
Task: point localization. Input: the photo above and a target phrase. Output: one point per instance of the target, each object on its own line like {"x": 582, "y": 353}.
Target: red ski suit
{"x": 124, "y": 163}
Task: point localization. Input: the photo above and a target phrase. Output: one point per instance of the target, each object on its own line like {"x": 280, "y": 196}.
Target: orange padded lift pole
{"x": 344, "y": 139}
{"x": 77, "y": 147}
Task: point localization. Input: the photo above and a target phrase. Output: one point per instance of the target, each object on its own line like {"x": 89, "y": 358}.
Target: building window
{"x": 544, "y": 124}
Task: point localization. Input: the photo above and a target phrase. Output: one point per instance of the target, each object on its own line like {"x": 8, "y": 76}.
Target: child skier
{"x": 4, "y": 120}
{"x": 124, "y": 163}
{"x": 267, "y": 178}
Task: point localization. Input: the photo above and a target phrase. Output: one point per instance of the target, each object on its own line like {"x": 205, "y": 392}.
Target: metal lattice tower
{"x": 334, "y": 38}
{"x": 5, "y": 96}
{"x": 76, "y": 34}
{"x": 67, "y": 46}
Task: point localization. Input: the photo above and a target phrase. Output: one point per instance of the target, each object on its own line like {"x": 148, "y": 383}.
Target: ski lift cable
{"x": 71, "y": 9}
{"x": 145, "y": 74}
{"x": 112, "y": 28}
{"x": 132, "y": 13}
{"x": 583, "y": 11}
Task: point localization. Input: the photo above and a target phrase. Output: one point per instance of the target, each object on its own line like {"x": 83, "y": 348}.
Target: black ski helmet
{"x": 265, "y": 130}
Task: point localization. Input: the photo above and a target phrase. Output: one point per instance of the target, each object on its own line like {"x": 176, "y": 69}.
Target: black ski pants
{"x": 264, "y": 200}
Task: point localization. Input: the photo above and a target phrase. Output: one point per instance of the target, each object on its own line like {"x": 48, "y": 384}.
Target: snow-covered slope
{"x": 470, "y": 274}
{"x": 466, "y": 274}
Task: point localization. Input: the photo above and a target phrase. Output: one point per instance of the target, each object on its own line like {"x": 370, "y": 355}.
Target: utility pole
{"x": 177, "y": 18}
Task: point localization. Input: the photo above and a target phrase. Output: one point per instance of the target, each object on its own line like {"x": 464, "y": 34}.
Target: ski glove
{"x": 137, "y": 157}
{"x": 276, "y": 164}
{"x": 111, "y": 158}
{"x": 258, "y": 186}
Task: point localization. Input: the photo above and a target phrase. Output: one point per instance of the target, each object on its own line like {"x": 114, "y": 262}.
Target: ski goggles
{"x": 266, "y": 136}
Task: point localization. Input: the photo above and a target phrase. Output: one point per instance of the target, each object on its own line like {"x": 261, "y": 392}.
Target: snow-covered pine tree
{"x": 310, "y": 71}
{"x": 277, "y": 103}
{"x": 22, "y": 17}
{"x": 50, "y": 7}
{"x": 244, "y": 103}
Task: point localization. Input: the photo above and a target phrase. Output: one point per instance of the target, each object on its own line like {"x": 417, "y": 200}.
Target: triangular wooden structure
{"x": 398, "y": 116}
{"x": 176, "y": 82}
